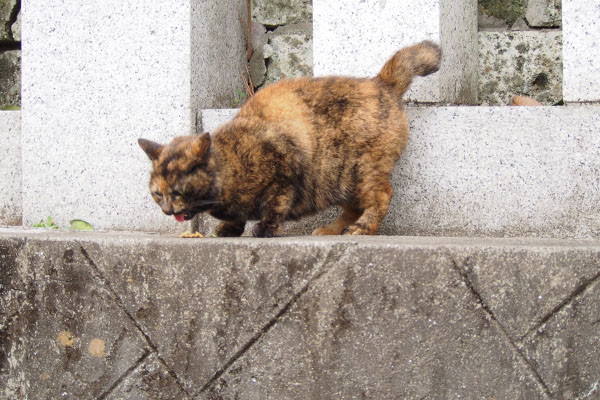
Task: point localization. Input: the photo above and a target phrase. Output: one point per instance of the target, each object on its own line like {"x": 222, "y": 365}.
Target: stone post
{"x": 356, "y": 37}
{"x": 10, "y": 168}
{"x": 97, "y": 75}
{"x": 581, "y": 35}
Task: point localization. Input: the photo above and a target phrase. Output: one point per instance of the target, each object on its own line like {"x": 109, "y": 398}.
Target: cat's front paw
{"x": 357, "y": 229}
{"x": 229, "y": 229}
{"x": 264, "y": 229}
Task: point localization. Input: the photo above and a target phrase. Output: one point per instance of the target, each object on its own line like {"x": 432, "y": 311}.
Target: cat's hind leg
{"x": 349, "y": 216}
{"x": 375, "y": 200}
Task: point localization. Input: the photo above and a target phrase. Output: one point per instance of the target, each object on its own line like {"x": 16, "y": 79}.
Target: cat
{"x": 296, "y": 147}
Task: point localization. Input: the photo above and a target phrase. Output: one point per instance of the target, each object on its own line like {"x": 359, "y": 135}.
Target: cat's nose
{"x": 167, "y": 208}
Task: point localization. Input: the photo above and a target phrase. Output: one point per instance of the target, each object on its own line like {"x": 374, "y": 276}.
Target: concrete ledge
{"x": 489, "y": 171}
{"x": 127, "y": 315}
{"x": 10, "y": 168}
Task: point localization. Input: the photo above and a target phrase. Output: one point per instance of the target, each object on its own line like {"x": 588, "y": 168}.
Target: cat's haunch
{"x": 296, "y": 147}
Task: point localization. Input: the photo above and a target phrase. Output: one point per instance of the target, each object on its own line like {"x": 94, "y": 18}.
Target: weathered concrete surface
{"x": 117, "y": 315}
{"x": 10, "y": 168}
{"x": 488, "y": 171}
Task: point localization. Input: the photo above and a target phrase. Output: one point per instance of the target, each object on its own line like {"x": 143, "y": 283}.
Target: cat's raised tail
{"x": 420, "y": 59}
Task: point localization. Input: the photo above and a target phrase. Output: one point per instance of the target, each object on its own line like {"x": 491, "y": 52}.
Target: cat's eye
{"x": 175, "y": 194}
{"x": 157, "y": 194}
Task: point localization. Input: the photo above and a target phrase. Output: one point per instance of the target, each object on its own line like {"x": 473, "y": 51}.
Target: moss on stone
{"x": 507, "y": 10}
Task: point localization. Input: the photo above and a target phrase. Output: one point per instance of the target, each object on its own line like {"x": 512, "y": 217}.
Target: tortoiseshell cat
{"x": 296, "y": 147}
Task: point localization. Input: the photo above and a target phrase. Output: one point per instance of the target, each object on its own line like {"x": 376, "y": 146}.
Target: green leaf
{"x": 80, "y": 225}
{"x": 10, "y": 108}
{"x": 49, "y": 223}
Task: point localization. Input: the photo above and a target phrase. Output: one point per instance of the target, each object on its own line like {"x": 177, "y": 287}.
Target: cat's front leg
{"x": 274, "y": 213}
{"x": 230, "y": 229}
{"x": 267, "y": 229}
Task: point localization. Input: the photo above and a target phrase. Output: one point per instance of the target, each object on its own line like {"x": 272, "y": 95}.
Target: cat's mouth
{"x": 180, "y": 217}
{"x": 200, "y": 207}
{"x": 184, "y": 217}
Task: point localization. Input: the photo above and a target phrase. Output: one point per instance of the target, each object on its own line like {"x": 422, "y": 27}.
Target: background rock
{"x": 10, "y": 78}
{"x": 281, "y": 12}
{"x": 256, "y": 65}
{"x": 544, "y": 13}
{"x": 289, "y": 52}
{"x": 6, "y": 9}
{"x": 16, "y": 28}
{"x": 525, "y": 62}
{"x": 507, "y": 10}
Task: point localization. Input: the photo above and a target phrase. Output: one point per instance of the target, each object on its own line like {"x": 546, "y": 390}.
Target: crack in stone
{"x": 124, "y": 375}
{"x": 515, "y": 346}
{"x": 590, "y": 392}
{"x": 578, "y": 291}
{"x": 120, "y": 304}
{"x": 258, "y": 335}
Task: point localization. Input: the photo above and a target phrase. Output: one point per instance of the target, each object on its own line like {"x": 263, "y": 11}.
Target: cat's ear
{"x": 201, "y": 144}
{"x": 152, "y": 149}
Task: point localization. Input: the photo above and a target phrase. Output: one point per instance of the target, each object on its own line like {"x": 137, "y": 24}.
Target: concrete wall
{"x": 122, "y": 316}
{"x": 99, "y": 75}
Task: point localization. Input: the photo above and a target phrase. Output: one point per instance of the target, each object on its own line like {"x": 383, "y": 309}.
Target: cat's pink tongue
{"x": 180, "y": 217}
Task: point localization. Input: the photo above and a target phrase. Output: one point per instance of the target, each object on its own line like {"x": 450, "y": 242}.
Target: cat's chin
{"x": 187, "y": 217}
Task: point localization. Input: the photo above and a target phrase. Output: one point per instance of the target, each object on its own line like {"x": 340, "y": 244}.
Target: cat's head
{"x": 181, "y": 181}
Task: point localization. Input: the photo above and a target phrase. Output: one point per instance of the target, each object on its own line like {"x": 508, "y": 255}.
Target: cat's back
{"x": 324, "y": 101}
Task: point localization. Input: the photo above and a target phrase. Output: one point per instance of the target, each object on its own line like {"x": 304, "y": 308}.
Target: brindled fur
{"x": 296, "y": 147}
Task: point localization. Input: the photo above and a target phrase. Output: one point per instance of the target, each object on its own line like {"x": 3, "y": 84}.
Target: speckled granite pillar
{"x": 10, "y": 168}
{"x": 99, "y": 75}
{"x": 581, "y": 35}
{"x": 356, "y": 37}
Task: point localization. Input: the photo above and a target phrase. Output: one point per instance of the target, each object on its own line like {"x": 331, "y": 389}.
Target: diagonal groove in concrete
{"x": 125, "y": 375}
{"x": 256, "y": 337}
{"x": 119, "y": 302}
{"x": 538, "y": 378}
{"x": 577, "y": 292}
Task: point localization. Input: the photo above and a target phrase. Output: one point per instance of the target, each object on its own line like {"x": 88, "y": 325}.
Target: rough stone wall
{"x": 520, "y": 47}
{"x": 520, "y": 50}
{"x": 10, "y": 53}
{"x": 282, "y": 40}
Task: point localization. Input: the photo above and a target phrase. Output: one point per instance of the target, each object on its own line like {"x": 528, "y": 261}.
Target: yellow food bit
{"x": 191, "y": 235}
